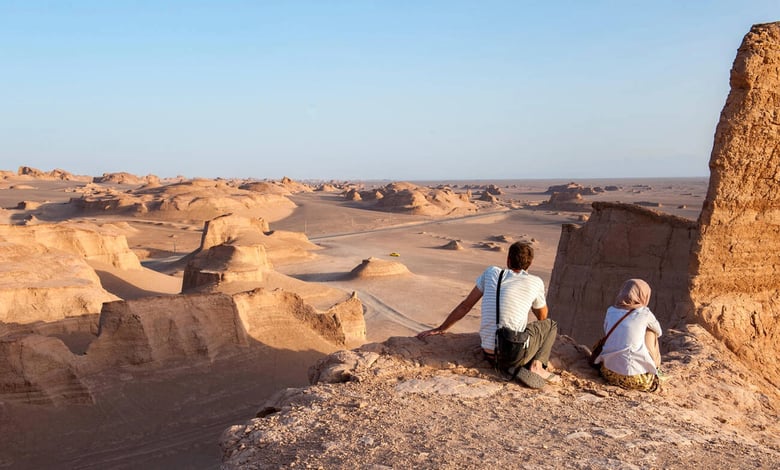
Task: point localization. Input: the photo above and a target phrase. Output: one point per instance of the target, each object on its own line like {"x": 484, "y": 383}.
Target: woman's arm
{"x": 653, "y": 324}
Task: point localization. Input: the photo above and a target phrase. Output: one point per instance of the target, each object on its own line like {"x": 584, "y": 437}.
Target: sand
{"x": 173, "y": 419}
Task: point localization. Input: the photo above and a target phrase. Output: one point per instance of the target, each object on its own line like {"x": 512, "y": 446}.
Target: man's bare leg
{"x": 538, "y": 369}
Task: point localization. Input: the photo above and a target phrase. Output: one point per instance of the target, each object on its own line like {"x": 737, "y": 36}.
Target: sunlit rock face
{"x": 418, "y": 200}
{"x": 721, "y": 271}
{"x": 40, "y": 370}
{"x": 191, "y": 201}
{"x": 104, "y": 244}
{"x": 205, "y": 326}
{"x": 46, "y": 273}
{"x": 735, "y": 285}
{"x": 166, "y": 332}
{"x": 619, "y": 242}
{"x": 232, "y": 249}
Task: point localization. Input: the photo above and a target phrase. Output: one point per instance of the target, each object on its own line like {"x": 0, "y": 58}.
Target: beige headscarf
{"x": 635, "y": 293}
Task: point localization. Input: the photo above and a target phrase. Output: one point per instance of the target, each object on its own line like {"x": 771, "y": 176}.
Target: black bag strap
{"x": 498, "y": 315}
{"x": 618, "y": 323}
{"x": 498, "y": 298}
{"x": 498, "y": 319}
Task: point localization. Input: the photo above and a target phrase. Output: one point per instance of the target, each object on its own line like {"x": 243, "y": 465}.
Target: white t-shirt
{"x": 520, "y": 292}
{"x": 625, "y": 351}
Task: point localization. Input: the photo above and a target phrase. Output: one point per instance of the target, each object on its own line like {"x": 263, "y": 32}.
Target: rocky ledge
{"x": 408, "y": 403}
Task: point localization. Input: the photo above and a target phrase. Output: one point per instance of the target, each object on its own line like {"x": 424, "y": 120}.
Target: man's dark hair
{"x": 521, "y": 254}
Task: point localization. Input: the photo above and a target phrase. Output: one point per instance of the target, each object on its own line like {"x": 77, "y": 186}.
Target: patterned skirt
{"x": 645, "y": 382}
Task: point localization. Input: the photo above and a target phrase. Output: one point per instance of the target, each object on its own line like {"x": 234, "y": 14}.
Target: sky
{"x": 346, "y": 90}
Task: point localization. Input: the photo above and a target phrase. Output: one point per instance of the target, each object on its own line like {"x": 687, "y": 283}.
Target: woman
{"x": 631, "y": 356}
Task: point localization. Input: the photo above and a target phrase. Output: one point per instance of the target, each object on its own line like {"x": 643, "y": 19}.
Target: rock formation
{"x": 126, "y": 178}
{"x": 102, "y": 244}
{"x": 504, "y": 239}
{"x": 453, "y": 245}
{"x": 159, "y": 332}
{"x": 375, "y": 267}
{"x": 369, "y": 195}
{"x": 395, "y": 400}
{"x": 492, "y": 246}
{"x": 488, "y": 197}
{"x": 575, "y": 188}
{"x": 55, "y": 174}
{"x": 735, "y": 288}
{"x": 47, "y": 273}
{"x": 618, "y": 242}
{"x": 438, "y": 404}
{"x": 159, "y": 329}
{"x": 281, "y": 246}
{"x": 568, "y": 197}
{"x": 732, "y": 288}
{"x": 40, "y": 370}
{"x": 494, "y": 190}
{"x": 278, "y": 318}
{"x": 353, "y": 195}
{"x": 416, "y": 200}
{"x": 238, "y": 250}
{"x": 566, "y": 201}
{"x": 196, "y": 200}
{"x": 327, "y": 188}
{"x": 294, "y": 186}
{"x": 233, "y": 229}
{"x": 41, "y": 284}
{"x": 28, "y": 205}
{"x": 222, "y": 265}
{"x": 266, "y": 187}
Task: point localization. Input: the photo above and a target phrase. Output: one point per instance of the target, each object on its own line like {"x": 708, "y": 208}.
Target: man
{"x": 520, "y": 292}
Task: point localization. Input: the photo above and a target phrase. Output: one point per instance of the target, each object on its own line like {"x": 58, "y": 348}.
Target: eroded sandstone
{"x": 38, "y": 283}
{"x": 728, "y": 283}
{"x": 618, "y": 242}
{"x": 734, "y": 286}
{"x": 419, "y": 403}
{"x": 168, "y": 331}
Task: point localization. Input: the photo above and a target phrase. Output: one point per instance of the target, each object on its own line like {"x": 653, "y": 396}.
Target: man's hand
{"x": 460, "y": 311}
{"x": 432, "y": 332}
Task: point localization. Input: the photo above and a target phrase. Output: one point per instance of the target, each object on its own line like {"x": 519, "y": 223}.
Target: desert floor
{"x": 174, "y": 419}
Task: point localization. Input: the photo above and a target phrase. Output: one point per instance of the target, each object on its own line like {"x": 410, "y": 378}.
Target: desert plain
{"x": 408, "y": 265}
{"x": 247, "y": 323}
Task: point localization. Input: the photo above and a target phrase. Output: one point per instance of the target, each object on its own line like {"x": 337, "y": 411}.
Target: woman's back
{"x": 625, "y": 351}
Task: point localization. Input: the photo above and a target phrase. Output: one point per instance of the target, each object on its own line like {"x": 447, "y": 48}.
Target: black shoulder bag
{"x": 510, "y": 344}
{"x": 599, "y": 346}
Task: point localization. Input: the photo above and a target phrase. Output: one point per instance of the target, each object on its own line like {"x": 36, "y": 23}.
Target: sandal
{"x": 530, "y": 379}
{"x": 554, "y": 379}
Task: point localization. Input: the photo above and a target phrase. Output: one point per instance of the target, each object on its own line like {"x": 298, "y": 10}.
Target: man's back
{"x": 520, "y": 291}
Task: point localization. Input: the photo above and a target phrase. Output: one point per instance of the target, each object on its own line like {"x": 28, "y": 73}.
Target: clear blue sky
{"x": 400, "y": 90}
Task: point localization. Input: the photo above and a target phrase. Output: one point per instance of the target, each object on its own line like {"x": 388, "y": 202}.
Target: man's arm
{"x": 459, "y": 312}
{"x": 541, "y": 313}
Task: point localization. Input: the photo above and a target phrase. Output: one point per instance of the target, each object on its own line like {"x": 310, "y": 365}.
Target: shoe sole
{"x": 529, "y": 379}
